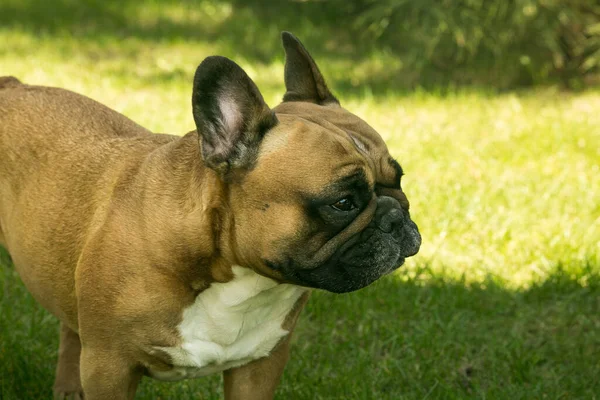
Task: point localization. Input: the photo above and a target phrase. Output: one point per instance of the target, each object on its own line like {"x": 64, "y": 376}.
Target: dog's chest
{"x": 230, "y": 324}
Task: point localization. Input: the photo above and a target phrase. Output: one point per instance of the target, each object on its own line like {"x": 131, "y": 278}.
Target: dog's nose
{"x": 387, "y": 222}
{"x": 388, "y": 214}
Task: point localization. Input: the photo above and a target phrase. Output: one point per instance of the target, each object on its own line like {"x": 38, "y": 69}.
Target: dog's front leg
{"x": 106, "y": 374}
{"x": 259, "y": 379}
{"x": 67, "y": 384}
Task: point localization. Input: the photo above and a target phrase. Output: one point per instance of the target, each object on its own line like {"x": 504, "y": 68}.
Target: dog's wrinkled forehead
{"x": 367, "y": 142}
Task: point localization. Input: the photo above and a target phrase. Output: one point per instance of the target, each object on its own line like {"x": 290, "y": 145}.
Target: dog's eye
{"x": 344, "y": 204}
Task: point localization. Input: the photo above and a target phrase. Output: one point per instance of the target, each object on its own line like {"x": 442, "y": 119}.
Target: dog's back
{"x": 52, "y": 136}
{"x": 8, "y": 81}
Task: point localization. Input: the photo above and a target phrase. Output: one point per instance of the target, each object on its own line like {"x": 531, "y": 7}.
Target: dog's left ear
{"x": 230, "y": 114}
{"x": 303, "y": 80}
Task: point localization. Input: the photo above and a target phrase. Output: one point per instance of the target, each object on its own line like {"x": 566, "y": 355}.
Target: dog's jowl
{"x": 181, "y": 256}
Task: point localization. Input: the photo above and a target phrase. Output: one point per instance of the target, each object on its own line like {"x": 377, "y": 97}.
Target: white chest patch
{"x": 230, "y": 324}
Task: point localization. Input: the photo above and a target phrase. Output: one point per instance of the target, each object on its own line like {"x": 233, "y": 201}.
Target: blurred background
{"x": 491, "y": 107}
{"x": 427, "y": 43}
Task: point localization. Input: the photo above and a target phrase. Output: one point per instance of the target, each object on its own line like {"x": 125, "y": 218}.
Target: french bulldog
{"x": 181, "y": 256}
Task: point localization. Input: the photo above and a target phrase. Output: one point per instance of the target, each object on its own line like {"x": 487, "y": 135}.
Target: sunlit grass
{"x": 507, "y": 186}
{"x": 505, "y": 189}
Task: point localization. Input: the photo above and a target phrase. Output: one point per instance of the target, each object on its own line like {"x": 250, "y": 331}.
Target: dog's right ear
{"x": 230, "y": 114}
{"x": 303, "y": 80}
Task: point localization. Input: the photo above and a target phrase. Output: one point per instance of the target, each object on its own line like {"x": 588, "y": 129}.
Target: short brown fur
{"x": 116, "y": 230}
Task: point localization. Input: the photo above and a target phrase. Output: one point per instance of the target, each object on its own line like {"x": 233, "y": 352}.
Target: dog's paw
{"x": 68, "y": 395}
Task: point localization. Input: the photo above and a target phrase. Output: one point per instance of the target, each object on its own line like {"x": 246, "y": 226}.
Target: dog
{"x": 182, "y": 256}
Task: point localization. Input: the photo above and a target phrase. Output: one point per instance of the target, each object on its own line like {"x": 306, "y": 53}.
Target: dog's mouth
{"x": 360, "y": 261}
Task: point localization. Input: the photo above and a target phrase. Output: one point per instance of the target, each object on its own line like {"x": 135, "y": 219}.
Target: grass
{"x": 503, "y": 301}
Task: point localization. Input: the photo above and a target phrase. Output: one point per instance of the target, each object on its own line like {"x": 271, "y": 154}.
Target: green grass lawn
{"x": 503, "y": 300}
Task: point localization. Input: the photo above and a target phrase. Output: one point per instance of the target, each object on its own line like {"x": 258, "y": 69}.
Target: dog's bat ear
{"x": 303, "y": 80}
{"x": 230, "y": 114}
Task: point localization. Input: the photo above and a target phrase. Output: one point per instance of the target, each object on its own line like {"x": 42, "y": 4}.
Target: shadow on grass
{"x": 399, "y": 338}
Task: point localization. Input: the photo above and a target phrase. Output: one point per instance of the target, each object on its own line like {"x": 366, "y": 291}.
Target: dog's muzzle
{"x": 386, "y": 242}
{"x": 381, "y": 247}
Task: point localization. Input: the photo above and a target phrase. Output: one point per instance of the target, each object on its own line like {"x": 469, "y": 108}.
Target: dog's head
{"x": 314, "y": 197}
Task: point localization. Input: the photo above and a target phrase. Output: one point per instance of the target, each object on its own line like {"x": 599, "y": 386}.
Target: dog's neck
{"x": 169, "y": 189}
